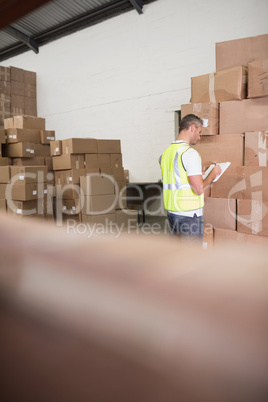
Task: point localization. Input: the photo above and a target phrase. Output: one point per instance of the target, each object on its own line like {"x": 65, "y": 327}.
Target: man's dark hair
{"x": 188, "y": 120}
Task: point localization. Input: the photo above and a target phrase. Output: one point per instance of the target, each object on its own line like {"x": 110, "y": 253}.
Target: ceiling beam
{"x": 137, "y": 4}
{"x": 15, "y": 33}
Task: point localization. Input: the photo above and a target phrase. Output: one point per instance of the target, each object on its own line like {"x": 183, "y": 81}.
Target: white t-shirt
{"x": 192, "y": 163}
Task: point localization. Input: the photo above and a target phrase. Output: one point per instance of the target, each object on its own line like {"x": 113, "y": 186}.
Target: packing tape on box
{"x": 262, "y": 148}
{"x": 256, "y": 215}
{"x": 211, "y": 88}
{"x": 197, "y": 107}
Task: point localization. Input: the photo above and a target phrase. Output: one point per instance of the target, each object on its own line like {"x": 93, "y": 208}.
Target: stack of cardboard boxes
{"x": 17, "y": 93}
{"x": 26, "y": 175}
{"x": 233, "y": 103}
{"x": 90, "y": 181}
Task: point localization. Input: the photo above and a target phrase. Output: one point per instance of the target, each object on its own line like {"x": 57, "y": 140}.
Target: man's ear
{"x": 192, "y": 126}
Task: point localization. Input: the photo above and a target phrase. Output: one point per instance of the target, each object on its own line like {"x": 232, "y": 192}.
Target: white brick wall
{"x": 125, "y": 77}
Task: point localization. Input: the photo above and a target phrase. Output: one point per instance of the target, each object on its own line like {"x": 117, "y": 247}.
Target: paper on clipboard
{"x": 223, "y": 165}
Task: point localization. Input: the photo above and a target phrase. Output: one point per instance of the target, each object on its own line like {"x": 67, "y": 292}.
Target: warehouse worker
{"x": 183, "y": 184}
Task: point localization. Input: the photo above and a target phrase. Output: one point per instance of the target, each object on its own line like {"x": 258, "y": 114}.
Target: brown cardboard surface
{"x": 17, "y": 105}
{"x": 29, "y": 174}
{"x": 3, "y": 187}
{"x": 9, "y": 123}
{"x": 96, "y": 184}
{"x": 66, "y": 162}
{"x": 97, "y": 160}
{"x": 5, "y": 88}
{"x": 30, "y": 106}
{"x": 26, "y": 208}
{"x": 220, "y": 213}
{"x": 56, "y": 148}
{"x": 68, "y": 191}
{"x": 4, "y": 73}
{"x": 239, "y": 52}
{"x": 244, "y": 115}
{"x": 25, "y": 121}
{"x": 252, "y": 217}
{"x": 116, "y": 161}
{"x": 3, "y": 206}
{"x": 4, "y": 174}
{"x": 19, "y": 150}
{"x": 118, "y": 173}
{"x": 2, "y": 136}
{"x": 16, "y": 74}
{"x": 31, "y": 161}
{"x": 17, "y": 88}
{"x": 242, "y": 182}
{"x": 98, "y": 204}
{"x": 79, "y": 146}
{"x": 258, "y": 78}
{"x": 109, "y": 146}
{"x": 46, "y": 136}
{"x": 256, "y": 148}
{"x": 42, "y": 150}
{"x": 30, "y": 77}
{"x": 208, "y": 112}
{"x": 221, "y": 86}
{"x": 4, "y": 161}
{"x": 26, "y": 191}
{"x": 72, "y": 176}
{"x": 221, "y": 149}
{"x": 223, "y": 236}
{"x": 71, "y": 207}
{"x": 22, "y": 135}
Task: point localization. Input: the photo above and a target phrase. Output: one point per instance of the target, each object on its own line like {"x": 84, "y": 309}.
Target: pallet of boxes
{"x": 90, "y": 185}
{"x": 233, "y": 103}
{"x": 26, "y": 176}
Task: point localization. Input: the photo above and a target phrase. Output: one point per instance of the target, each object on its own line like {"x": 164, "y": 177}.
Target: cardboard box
{"x": 30, "y": 91}
{"x": 30, "y": 106}
{"x": 3, "y": 187}
{"x": 97, "y": 160}
{"x": 16, "y": 74}
{"x": 14, "y": 135}
{"x": 29, "y": 174}
{"x": 117, "y": 173}
{"x": 252, "y": 217}
{"x": 123, "y": 218}
{"x": 4, "y": 73}
{"x": 244, "y": 115}
{"x": 9, "y": 123}
{"x": 79, "y": 146}
{"x": 126, "y": 173}
{"x": 242, "y": 182}
{"x": 55, "y": 148}
{"x": 4, "y": 174}
{"x": 32, "y": 161}
{"x": 256, "y": 148}
{"x": 223, "y": 236}
{"x": 2, "y": 136}
{"x": 17, "y": 104}
{"x": 5, "y": 88}
{"x": 116, "y": 161}
{"x": 258, "y": 78}
{"x": 30, "y": 77}
{"x": 96, "y": 184}
{"x": 4, "y": 161}
{"x": 98, "y": 204}
{"x": 42, "y": 150}
{"x": 208, "y": 112}
{"x": 68, "y": 192}
{"x": 222, "y": 86}
{"x": 109, "y": 146}
{"x": 26, "y": 208}
{"x": 48, "y": 162}
{"x": 17, "y": 88}
{"x": 64, "y": 177}
{"x": 71, "y": 207}
{"x": 25, "y": 121}
{"x": 220, "y": 213}
{"x": 3, "y": 206}
{"x": 67, "y": 162}
{"x": 240, "y": 52}
{"x": 22, "y": 191}
{"x": 46, "y": 136}
{"x": 19, "y": 150}
{"x": 105, "y": 219}
{"x": 221, "y": 149}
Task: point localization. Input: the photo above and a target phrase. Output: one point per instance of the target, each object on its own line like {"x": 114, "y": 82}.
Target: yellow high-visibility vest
{"x": 177, "y": 192}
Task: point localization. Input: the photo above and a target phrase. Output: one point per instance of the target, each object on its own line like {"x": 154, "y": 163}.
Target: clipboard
{"x": 223, "y": 165}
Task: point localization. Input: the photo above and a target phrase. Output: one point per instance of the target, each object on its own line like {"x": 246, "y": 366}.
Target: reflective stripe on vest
{"x": 177, "y": 192}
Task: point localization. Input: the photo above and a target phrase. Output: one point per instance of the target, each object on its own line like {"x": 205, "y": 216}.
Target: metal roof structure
{"x": 26, "y": 29}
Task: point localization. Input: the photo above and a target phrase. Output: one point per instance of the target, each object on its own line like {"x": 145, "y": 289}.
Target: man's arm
{"x": 199, "y": 185}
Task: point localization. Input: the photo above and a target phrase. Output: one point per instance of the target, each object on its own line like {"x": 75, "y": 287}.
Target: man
{"x": 183, "y": 184}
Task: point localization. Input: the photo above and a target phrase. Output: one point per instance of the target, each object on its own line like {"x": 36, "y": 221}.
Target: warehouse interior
{"x": 97, "y": 301}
